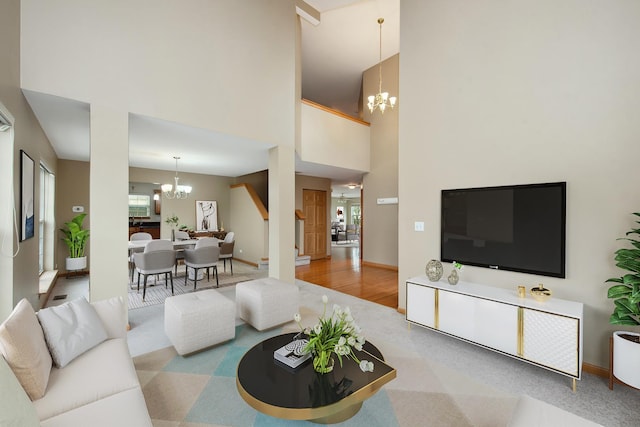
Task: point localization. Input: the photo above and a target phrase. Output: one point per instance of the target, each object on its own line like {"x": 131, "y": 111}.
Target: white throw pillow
{"x": 23, "y": 346}
{"x": 71, "y": 329}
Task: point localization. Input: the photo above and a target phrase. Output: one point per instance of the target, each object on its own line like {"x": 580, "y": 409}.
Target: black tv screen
{"x": 516, "y": 228}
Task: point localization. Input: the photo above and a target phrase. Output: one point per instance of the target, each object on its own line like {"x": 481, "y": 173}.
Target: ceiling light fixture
{"x": 180, "y": 192}
{"x": 382, "y": 100}
{"x": 352, "y": 186}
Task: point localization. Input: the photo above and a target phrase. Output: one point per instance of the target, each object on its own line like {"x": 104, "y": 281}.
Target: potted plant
{"x": 626, "y": 298}
{"x": 76, "y": 239}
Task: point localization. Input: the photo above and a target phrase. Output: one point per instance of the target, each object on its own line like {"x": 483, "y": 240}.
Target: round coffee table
{"x": 275, "y": 389}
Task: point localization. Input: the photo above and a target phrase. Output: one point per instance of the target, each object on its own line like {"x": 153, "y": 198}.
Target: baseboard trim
{"x": 595, "y": 370}
{"x": 383, "y": 266}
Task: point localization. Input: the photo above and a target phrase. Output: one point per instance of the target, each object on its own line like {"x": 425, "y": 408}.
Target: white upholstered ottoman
{"x": 265, "y": 303}
{"x": 198, "y": 320}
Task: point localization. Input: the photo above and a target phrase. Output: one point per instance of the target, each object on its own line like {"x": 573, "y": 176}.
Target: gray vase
{"x": 453, "y": 277}
{"x": 434, "y": 270}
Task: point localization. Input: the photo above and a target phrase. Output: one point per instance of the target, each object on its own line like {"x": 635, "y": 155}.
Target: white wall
{"x": 543, "y": 91}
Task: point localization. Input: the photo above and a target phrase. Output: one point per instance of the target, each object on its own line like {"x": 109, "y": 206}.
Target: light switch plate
{"x": 78, "y": 209}
{"x": 418, "y": 226}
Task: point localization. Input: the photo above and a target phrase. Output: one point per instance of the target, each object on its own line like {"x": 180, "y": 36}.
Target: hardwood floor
{"x": 343, "y": 272}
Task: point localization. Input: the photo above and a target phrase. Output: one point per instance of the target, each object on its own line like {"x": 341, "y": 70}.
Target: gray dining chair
{"x": 157, "y": 258}
{"x": 226, "y": 253}
{"x": 180, "y": 235}
{"x": 205, "y": 255}
{"x": 136, "y": 237}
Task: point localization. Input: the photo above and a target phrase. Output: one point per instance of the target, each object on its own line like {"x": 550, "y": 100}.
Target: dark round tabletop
{"x": 276, "y": 389}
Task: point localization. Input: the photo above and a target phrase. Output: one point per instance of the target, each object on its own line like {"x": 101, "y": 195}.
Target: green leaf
{"x": 615, "y": 320}
{"x": 619, "y": 291}
{"x": 615, "y": 280}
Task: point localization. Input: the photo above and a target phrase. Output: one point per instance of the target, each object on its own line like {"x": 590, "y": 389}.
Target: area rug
{"x": 157, "y": 292}
{"x": 200, "y": 390}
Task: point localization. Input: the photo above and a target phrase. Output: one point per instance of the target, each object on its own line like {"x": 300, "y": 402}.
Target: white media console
{"x": 547, "y": 334}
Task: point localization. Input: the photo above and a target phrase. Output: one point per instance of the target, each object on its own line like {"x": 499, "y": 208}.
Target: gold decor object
{"x": 540, "y": 293}
{"x": 522, "y": 291}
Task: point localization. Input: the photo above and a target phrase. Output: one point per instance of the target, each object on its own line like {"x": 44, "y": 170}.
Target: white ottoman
{"x": 197, "y": 320}
{"x": 265, "y": 303}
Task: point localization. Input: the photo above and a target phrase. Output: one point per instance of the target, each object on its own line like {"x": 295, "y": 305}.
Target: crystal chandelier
{"x": 180, "y": 191}
{"x": 381, "y": 100}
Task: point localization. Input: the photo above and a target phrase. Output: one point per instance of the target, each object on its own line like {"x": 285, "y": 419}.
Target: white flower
{"x": 358, "y": 346}
{"x": 342, "y": 341}
{"x": 318, "y": 328}
{"x": 366, "y": 366}
{"x": 297, "y": 317}
{"x": 351, "y": 341}
{"x": 325, "y": 299}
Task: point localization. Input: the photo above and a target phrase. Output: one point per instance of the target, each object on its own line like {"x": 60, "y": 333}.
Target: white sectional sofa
{"x": 98, "y": 387}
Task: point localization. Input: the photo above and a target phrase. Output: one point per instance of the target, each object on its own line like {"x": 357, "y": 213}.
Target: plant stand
{"x": 624, "y": 360}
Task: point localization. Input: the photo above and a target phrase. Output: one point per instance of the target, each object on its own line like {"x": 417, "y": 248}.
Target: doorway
{"x": 314, "y": 206}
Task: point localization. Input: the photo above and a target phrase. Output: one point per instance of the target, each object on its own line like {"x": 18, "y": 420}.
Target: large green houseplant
{"x": 626, "y": 299}
{"x": 76, "y": 238}
{"x": 626, "y": 291}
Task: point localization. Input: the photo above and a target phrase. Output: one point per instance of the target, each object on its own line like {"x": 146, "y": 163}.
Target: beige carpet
{"x": 200, "y": 390}
{"x": 157, "y": 292}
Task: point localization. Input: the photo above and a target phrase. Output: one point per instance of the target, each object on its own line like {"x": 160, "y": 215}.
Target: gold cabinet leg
{"x": 573, "y": 385}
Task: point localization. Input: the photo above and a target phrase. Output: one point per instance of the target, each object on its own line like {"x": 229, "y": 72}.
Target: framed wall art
{"x": 27, "y": 177}
{"x": 206, "y": 215}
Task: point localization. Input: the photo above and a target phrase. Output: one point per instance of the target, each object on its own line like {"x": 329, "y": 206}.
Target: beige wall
{"x": 260, "y": 183}
{"x": 380, "y": 222}
{"x": 547, "y": 91}
{"x": 250, "y": 228}
{"x": 205, "y": 187}
{"x": 19, "y": 276}
{"x": 329, "y": 139}
{"x": 114, "y": 57}
{"x": 72, "y": 189}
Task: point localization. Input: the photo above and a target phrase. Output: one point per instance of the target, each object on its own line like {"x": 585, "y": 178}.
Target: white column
{"x": 282, "y": 213}
{"x": 108, "y": 207}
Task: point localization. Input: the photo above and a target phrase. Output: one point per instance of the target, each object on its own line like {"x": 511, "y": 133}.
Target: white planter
{"x": 626, "y": 359}
{"x": 74, "y": 264}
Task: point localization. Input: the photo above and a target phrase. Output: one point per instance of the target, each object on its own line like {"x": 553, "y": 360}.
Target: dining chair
{"x": 226, "y": 253}
{"x": 156, "y": 259}
{"x": 180, "y": 235}
{"x": 136, "y": 237}
{"x": 205, "y": 255}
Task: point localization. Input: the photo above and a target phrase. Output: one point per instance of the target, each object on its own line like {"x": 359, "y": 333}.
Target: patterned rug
{"x": 200, "y": 389}
{"x": 157, "y": 292}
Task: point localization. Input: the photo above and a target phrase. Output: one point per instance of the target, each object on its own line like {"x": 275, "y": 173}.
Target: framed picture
{"x": 206, "y": 215}
{"x": 27, "y": 176}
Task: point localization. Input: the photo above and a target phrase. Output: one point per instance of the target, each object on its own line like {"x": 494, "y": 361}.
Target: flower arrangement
{"x": 337, "y": 334}
{"x": 172, "y": 220}
{"x": 457, "y": 265}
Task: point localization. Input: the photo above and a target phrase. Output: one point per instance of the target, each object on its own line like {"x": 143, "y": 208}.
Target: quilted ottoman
{"x": 198, "y": 320}
{"x": 265, "y": 303}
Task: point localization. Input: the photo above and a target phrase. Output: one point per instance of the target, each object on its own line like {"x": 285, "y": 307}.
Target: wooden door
{"x": 314, "y": 206}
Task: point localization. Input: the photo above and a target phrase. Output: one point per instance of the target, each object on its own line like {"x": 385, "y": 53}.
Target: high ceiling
{"x": 335, "y": 53}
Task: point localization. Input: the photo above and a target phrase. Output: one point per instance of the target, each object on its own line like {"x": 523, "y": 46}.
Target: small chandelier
{"x": 180, "y": 192}
{"x": 381, "y": 100}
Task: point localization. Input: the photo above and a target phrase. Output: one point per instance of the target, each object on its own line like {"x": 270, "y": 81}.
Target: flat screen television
{"x": 516, "y": 227}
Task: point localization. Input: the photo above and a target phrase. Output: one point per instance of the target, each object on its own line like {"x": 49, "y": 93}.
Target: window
{"x": 46, "y": 220}
{"x": 139, "y": 205}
